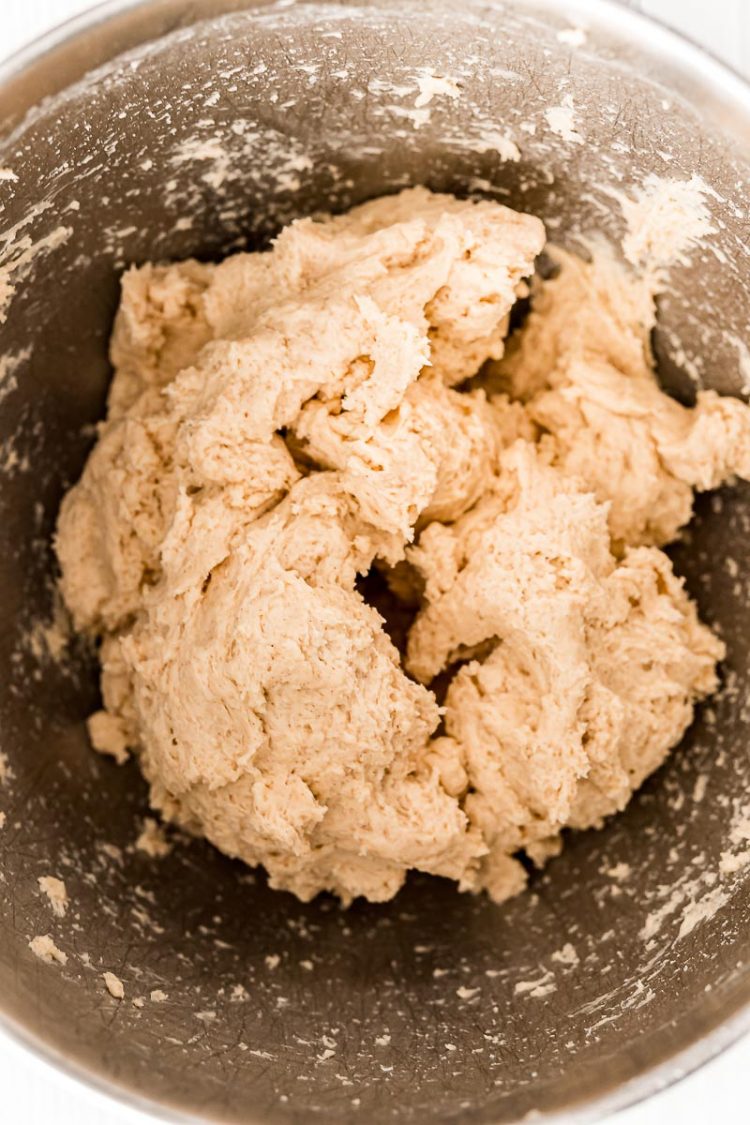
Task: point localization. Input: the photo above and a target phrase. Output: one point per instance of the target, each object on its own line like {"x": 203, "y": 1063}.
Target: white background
{"x": 33, "y": 1094}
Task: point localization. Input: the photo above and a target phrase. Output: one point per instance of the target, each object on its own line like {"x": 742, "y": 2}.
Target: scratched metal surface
{"x": 410, "y": 1012}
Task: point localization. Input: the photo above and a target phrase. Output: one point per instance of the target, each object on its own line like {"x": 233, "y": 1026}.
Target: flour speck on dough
{"x": 330, "y": 480}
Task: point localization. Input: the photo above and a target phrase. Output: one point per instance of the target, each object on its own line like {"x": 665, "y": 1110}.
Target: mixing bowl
{"x": 193, "y": 127}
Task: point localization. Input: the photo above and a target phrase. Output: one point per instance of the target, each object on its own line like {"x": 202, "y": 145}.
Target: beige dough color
{"x": 347, "y": 405}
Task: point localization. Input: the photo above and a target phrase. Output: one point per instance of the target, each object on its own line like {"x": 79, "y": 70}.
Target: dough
{"x": 579, "y": 672}
{"x": 583, "y": 367}
{"x": 286, "y": 424}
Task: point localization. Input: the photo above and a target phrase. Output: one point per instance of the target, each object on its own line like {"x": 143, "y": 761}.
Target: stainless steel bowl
{"x": 206, "y": 136}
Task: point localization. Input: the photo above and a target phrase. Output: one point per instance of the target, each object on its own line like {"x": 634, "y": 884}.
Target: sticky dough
{"x": 284, "y": 423}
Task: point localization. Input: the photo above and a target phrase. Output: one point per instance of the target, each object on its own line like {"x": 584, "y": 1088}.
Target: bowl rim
{"x": 727, "y": 89}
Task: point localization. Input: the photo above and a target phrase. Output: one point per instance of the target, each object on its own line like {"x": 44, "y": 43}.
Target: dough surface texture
{"x": 287, "y": 427}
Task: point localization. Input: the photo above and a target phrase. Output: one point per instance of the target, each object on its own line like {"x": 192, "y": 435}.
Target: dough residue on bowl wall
{"x": 152, "y": 839}
{"x": 45, "y": 949}
{"x": 56, "y": 894}
{"x": 114, "y": 986}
